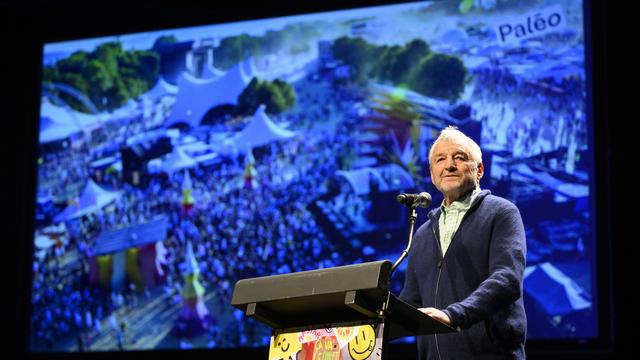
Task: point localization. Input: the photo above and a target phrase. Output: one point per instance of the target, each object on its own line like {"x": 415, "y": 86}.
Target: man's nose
{"x": 451, "y": 165}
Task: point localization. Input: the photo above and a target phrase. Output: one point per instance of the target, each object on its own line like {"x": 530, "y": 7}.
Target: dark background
{"x": 25, "y": 25}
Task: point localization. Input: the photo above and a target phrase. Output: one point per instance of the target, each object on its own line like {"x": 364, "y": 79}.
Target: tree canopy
{"x": 277, "y": 96}
{"x": 234, "y": 49}
{"x": 413, "y": 65}
{"x": 108, "y": 76}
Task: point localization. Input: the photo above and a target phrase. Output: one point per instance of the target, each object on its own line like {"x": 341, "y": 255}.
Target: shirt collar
{"x": 464, "y": 202}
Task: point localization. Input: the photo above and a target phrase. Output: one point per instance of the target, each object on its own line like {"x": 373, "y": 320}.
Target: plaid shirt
{"x": 451, "y": 217}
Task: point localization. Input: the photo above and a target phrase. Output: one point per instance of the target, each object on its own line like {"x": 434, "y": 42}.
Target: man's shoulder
{"x": 498, "y": 202}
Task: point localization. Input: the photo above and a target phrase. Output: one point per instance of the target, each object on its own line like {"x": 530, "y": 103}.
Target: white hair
{"x": 451, "y": 133}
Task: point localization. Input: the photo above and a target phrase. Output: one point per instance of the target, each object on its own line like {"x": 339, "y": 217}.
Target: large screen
{"x": 173, "y": 163}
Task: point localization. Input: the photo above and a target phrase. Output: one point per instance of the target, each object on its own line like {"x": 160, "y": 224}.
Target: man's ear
{"x": 480, "y": 171}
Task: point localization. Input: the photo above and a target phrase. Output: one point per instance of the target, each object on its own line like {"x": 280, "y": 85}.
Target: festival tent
{"x": 103, "y": 166}
{"x": 126, "y": 113}
{"x": 360, "y": 179}
{"x": 261, "y": 130}
{"x": 92, "y": 199}
{"x": 161, "y": 89}
{"x": 201, "y": 152}
{"x": 453, "y": 39}
{"x": 58, "y": 123}
{"x": 565, "y": 188}
{"x": 197, "y": 96}
{"x": 178, "y": 160}
{"x": 51, "y": 235}
{"x": 51, "y": 130}
{"x": 388, "y": 177}
{"x": 43, "y": 242}
{"x": 48, "y": 237}
{"x": 558, "y": 72}
{"x": 554, "y": 69}
{"x": 553, "y": 290}
{"x": 210, "y": 72}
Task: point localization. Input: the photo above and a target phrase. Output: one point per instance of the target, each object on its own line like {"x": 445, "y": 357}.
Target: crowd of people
{"x": 236, "y": 232}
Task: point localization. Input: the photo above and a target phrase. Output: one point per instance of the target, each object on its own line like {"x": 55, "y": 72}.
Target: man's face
{"x": 453, "y": 171}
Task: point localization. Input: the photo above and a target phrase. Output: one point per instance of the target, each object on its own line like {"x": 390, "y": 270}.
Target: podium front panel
{"x": 357, "y": 342}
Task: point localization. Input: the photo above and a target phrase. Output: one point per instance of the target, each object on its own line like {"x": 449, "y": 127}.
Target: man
{"x": 466, "y": 266}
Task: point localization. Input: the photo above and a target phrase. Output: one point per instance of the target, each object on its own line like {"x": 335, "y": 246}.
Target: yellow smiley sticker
{"x": 284, "y": 347}
{"x": 361, "y": 346}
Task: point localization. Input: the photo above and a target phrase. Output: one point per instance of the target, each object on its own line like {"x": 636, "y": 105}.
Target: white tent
{"x": 178, "y": 160}
{"x": 388, "y": 177}
{"x": 51, "y": 235}
{"x": 565, "y": 188}
{"x": 359, "y": 179}
{"x": 260, "y": 131}
{"x": 161, "y": 89}
{"x": 43, "y": 242}
{"x": 51, "y": 130}
{"x": 92, "y": 199}
{"x": 58, "y": 123}
{"x": 197, "y": 96}
{"x": 211, "y": 72}
{"x": 126, "y": 112}
{"x": 553, "y": 290}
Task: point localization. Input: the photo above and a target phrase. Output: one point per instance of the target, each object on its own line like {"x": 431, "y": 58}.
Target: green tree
{"x": 163, "y": 41}
{"x": 386, "y": 56}
{"x": 358, "y": 54}
{"x": 234, "y": 49}
{"x": 108, "y": 76}
{"x": 273, "y": 41}
{"x": 439, "y": 75}
{"x": 287, "y": 92}
{"x": 277, "y": 96}
{"x": 405, "y": 61}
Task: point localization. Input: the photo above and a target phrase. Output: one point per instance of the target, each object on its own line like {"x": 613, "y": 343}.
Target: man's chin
{"x": 449, "y": 188}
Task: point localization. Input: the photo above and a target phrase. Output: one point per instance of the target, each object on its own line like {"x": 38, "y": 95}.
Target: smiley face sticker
{"x": 284, "y": 347}
{"x": 361, "y": 346}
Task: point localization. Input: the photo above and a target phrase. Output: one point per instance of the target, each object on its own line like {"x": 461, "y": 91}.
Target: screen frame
{"x": 53, "y": 22}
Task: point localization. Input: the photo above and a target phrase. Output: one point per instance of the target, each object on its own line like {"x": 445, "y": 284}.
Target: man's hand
{"x": 436, "y": 314}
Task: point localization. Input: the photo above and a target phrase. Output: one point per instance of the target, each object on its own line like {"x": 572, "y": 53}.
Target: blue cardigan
{"x": 478, "y": 283}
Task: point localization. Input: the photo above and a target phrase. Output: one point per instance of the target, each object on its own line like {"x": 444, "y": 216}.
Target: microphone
{"x": 411, "y": 201}
{"x": 422, "y": 199}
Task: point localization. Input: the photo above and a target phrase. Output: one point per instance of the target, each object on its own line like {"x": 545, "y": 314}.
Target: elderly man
{"x": 466, "y": 267}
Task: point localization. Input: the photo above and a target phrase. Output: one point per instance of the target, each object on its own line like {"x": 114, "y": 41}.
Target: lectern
{"x": 336, "y": 310}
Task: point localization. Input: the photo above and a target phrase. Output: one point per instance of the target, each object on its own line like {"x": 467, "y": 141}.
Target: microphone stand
{"x": 412, "y": 221}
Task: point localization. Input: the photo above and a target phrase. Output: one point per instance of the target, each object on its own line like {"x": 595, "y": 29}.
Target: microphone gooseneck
{"x": 412, "y": 201}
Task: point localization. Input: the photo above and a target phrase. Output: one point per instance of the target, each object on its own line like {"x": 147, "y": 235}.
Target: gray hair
{"x": 451, "y": 133}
